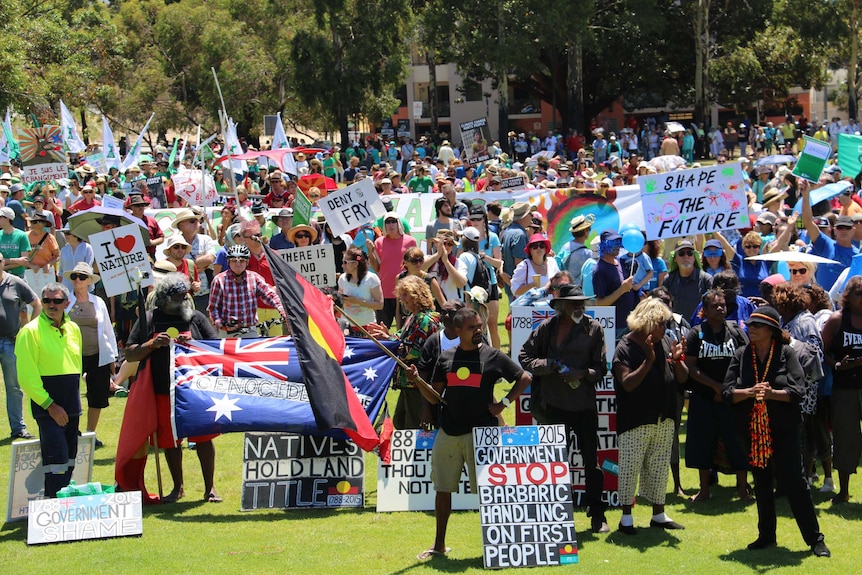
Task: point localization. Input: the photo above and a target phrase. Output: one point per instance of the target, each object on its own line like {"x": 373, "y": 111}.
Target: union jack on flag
{"x": 540, "y": 315}
{"x": 228, "y": 385}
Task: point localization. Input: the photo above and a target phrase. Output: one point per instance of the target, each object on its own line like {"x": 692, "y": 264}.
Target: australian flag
{"x": 229, "y": 385}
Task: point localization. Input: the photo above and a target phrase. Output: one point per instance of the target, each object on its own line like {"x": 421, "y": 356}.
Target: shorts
{"x": 164, "y": 429}
{"x": 493, "y": 292}
{"x": 448, "y": 456}
{"x": 98, "y": 381}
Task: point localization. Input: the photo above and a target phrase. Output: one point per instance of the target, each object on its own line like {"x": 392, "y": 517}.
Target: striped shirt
{"x": 232, "y": 297}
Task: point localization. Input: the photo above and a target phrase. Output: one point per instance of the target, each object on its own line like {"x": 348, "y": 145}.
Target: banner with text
{"x": 122, "y": 259}
{"x": 288, "y": 471}
{"x": 348, "y": 208}
{"x": 195, "y": 187}
{"x": 524, "y": 320}
{"x": 525, "y": 497}
{"x": 405, "y": 484}
{"x": 314, "y": 263}
{"x": 43, "y": 155}
{"x": 698, "y": 201}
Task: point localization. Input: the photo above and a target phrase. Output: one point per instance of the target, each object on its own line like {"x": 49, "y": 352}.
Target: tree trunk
{"x": 853, "y": 64}
{"x": 701, "y": 59}
{"x": 575, "y": 85}
{"x": 431, "y": 60}
{"x": 84, "y": 131}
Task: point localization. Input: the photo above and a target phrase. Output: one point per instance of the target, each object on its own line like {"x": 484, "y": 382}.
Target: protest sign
{"x": 524, "y": 320}
{"x": 525, "y": 498}
{"x": 403, "y": 128}
{"x": 850, "y": 153}
{"x": 301, "y": 209}
{"x": 387, "y": 129}
{"x": 314, "y": 263}
{"x": 405, "y": 483}
{"x": 698, "y": 201}
{"x": 195, "y": 187}
{"x": 97, "y": 160}
{"x": 287, "y": 471}
{"x": 85, "y": 517}
{"x": 348, "y": 208}
{"x": 27, "y": 479}
{"x": 474, "y": 137}
{"x": 513, "y": 184}
{"x": 43, "y": 155}
{"x": 112, "y": 202}
{"x": 812, "y": 159}
{"x": 156, "y": 191}
{"x": 122, "y": 259}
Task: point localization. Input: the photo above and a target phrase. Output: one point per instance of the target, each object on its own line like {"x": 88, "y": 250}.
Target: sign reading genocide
{"x": 288, "y": 471}
{"x": 697, "y": 201}
{"x": 348, "y": 208}
{"x": 27, "y": 479}
{"x": 122, "y": 259}
{"x": 524, "y": 320}
{"x": 525, "y": 497}
{"x": 314, "y": 263}
{"x": 405, "y": 484}
{"x": 85, "y": 517}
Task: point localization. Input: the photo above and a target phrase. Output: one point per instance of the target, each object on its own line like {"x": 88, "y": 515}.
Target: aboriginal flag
{"x": 319, "y": 343}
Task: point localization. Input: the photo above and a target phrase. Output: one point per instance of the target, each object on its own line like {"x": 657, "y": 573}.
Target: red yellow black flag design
{"x": 319, "y": 344}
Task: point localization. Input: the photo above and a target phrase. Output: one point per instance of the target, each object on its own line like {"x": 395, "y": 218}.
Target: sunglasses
{"x": 300, "y": 235}
{"x": 801, "y": 271}
{"x": 237, "y": 260}
{"x": 712, "y": 253}
{"x": 345, "y": 262}
{"x": 477, "y": 219}
{"x": 751, "y": 246}
{"x": 54, "y": 300}
{"x": 75, "y": 277}
{"x": 416, "y": 260}
{"x": 685, "y": 253}
{"x": 276, "y": 181}
{"x": 391, "y": 222}
{"x": 91, "y": 192}
{"x": 538, "y": 247}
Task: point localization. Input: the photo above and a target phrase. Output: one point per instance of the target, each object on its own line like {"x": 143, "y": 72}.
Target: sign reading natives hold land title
{"x": 288, "y": 471}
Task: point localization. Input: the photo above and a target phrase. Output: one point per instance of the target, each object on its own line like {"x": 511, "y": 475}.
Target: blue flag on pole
{"x": 230, "y": 385}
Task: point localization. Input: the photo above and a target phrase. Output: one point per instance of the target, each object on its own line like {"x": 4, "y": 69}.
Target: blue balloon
{"x": 633, "y": 240}
{"x": 629, "y": 226}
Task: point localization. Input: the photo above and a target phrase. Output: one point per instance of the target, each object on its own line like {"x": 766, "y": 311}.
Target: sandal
{"x": 174, "y": 496}
{"x": 431, "y": 553}
{"x": 212, "y": 497}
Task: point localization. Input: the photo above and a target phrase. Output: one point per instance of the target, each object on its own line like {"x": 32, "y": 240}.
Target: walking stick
{"x": 158, "y": 463}
{"x": 424, "y": 384}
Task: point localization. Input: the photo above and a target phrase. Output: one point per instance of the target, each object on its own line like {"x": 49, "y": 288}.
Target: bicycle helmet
{"x": 238, "y": 251}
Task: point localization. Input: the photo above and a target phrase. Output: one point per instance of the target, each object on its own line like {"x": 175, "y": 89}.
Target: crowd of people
{"x": 756, "y": 350}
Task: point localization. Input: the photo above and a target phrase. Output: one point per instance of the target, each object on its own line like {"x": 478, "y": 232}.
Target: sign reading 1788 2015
{"x": 697, "y": 201}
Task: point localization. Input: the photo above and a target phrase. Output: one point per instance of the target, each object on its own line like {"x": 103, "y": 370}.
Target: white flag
{"x": 5, "y": 152}
{"x": 233, "y": 148}
{"x": 110, "y": 155}
{"x": 182, "y": 154}
{"x": 135, "y": 151}
{"x": 279, "y": 141}
{"x": 70, "y": 131}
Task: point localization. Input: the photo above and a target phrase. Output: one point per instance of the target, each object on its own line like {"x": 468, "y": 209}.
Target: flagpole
{"x": 397, "y": 359}
{"x": 223, "y": 119}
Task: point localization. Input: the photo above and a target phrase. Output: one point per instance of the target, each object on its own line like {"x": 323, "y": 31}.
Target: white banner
{"x": 195, "y": 187}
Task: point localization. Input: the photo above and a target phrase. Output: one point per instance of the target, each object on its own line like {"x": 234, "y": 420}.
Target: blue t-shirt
{"x": 606, "y": 279}
{"x": 514, "y": 241}
{"x": 826, "y": 247}
{"x": 19, "y": 221}
{"x": 659, "y": 266}
{"x": 280, "y": 242}
{"x": 750, "y": 275}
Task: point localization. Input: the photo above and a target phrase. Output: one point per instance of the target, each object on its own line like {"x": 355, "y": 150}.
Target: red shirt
{"x": 155, "y": 233}
{"x": 260, "y": 265}
{"x": 82, "y": 205}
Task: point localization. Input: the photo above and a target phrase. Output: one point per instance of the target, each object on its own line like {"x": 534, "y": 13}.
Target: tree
{"x": 348, "y": 62}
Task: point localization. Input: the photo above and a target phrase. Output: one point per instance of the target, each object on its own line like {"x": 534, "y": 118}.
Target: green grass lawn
{"x": 195, "y": 537}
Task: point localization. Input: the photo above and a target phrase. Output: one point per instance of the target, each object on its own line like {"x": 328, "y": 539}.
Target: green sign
{"x": 301, "y": 209}
{"x": 812, "y": 159}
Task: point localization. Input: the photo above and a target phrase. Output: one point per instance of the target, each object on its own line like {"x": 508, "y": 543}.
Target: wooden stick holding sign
{"x": 425, "y": 385}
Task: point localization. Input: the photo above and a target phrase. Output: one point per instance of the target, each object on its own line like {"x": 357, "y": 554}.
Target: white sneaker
{"x": 828, "y": 486}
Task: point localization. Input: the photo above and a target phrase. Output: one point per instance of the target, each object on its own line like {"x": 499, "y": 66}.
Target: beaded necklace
{"x": 761, "y": 439}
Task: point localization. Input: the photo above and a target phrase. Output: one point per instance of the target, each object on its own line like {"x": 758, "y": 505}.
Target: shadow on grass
{"x": 179, "y": 512}
{"x": 444, "y": 564}
{"x": 647, "y": 538}
{"x": 847, "y": 510}
{"x": 14, "y": 531}
{"x": 722, "y": 501}
{"x": 766, "y": 560}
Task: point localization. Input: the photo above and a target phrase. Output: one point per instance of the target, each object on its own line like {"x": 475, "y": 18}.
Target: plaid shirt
{"x": 230, "y": 297}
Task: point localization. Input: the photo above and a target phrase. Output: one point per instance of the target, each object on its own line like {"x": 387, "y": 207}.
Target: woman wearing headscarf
{"x": 766, "y": 385}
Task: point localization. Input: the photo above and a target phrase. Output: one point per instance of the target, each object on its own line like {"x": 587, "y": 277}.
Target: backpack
{"x": 481, "y": 277}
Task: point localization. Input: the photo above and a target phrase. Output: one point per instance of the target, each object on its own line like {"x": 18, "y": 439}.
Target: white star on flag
{"x": 224, "y": 407}
{"x": 370, "y": 373}
{"x": 348, "y": 353}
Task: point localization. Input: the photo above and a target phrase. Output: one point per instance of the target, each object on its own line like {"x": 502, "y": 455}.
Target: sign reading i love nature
{"x": 122, "y": 259}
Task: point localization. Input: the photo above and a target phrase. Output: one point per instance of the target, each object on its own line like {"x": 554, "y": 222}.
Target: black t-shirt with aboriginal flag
{"x": 469, "y": 378}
